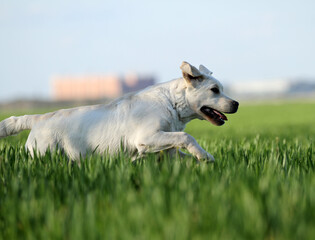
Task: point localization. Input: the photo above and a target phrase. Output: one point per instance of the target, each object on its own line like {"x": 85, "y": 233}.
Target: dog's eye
{"x": 215, "y": 90}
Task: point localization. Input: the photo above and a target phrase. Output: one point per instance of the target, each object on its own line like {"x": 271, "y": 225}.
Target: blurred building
{"x": 97, "y": 87}
{"x": 275, "y": 88}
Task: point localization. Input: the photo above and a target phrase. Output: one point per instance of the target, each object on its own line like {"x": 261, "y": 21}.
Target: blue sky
{"x": 237, "y": 40}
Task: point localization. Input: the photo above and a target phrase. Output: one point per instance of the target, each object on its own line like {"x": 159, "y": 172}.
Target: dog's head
{"x": 205, "y": 95}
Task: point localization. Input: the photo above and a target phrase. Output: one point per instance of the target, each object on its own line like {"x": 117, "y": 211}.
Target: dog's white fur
{"x": 147, "y": 121}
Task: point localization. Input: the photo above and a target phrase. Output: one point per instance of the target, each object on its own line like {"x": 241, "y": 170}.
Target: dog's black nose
{"x": 235, "y": 104}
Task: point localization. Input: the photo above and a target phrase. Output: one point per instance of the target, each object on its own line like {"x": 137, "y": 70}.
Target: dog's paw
{"x": 210, "y": 158}
{"x": 206, "y": 157}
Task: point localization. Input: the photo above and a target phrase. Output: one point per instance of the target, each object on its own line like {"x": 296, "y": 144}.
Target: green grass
{"x": 262, "y": 186}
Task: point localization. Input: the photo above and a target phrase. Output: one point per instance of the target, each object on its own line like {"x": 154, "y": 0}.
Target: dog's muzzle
{"x": 216, "y": 117}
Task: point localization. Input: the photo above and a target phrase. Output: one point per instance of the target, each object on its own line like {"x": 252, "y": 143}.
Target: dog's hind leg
{"x": 166, "y": 140}
{"x": 39, "y": 146}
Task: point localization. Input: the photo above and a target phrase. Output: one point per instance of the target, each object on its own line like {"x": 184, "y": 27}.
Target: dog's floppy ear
{"x": 190, "y": 73}
{"x": 204, "y": 70}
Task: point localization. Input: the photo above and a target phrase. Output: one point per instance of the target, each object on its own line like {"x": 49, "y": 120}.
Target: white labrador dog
{"x": 151, "y": 120}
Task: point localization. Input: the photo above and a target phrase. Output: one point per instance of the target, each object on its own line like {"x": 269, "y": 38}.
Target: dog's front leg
{"x": 166, "y": 140}
{"x": 177, "y": 152}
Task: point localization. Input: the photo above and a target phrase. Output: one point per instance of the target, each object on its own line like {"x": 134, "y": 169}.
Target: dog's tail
{"x": 14, "y": 125}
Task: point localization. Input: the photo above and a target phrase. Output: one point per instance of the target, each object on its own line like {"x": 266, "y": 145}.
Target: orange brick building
{"x": 97, "y": 87}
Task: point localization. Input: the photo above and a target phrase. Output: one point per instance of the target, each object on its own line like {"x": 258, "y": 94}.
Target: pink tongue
{"x": 222, "y": 116}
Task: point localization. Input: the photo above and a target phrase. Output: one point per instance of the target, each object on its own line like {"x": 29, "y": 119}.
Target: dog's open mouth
{"x": 213, "y": 116}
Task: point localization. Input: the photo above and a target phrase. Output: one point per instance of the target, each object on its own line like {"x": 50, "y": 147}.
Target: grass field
{"x": 262, "y": 185}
